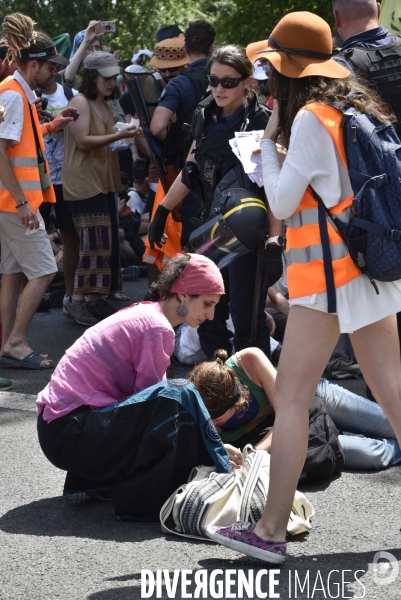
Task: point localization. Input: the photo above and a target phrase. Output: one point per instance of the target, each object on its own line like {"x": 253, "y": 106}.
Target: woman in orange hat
{"x": 305, "y": 81}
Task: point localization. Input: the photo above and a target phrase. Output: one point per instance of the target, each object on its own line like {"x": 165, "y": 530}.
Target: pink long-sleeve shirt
{"x": 120, "y": 356}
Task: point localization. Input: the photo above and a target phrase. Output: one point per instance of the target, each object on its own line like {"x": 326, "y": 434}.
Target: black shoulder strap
{"x": 199, "y": 79}
{"x": 68, "y": 92}
{"x": 199, "y": 116}
{"x": 327, "y": 260}
{"x": 259, "y": 115}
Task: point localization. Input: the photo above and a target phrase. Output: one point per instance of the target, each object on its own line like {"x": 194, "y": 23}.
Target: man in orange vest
{"x": 24, "y": 185}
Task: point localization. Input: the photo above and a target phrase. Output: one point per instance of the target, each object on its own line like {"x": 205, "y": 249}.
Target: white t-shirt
{"x": 136, "y": 202}
{"x": 55, "y": 142}
{"x": 13, "y": 102}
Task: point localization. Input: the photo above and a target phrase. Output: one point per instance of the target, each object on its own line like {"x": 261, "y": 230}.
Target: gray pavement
{"x": 73, "y": 548}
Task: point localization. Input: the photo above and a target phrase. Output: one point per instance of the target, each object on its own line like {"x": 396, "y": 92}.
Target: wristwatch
{"x": 278, "y": 239}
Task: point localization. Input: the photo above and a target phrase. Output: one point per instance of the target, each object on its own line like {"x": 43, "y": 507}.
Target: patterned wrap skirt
{"x": 96, "y": 221}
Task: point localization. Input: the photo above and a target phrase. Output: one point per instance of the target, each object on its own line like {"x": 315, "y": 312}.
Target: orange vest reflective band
{"x": 159, "y": 256}
{"x": 304, "y": 253}
{"x": 23, "y": 158}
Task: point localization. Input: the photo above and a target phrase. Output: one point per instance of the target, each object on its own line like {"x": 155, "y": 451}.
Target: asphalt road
{"x": 73, "y": 548}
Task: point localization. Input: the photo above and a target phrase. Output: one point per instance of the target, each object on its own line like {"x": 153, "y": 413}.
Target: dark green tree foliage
{"x": 236, "y": 21}
{"x": 253, "y": 20}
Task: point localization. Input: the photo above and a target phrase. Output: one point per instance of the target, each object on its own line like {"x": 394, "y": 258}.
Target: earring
{"x": 182, "y": 310}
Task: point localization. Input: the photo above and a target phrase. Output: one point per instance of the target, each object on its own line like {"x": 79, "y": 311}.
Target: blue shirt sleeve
{"x": 179, "y": 95}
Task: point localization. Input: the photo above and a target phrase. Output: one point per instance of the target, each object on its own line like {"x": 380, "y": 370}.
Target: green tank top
{"x": 265, "y": 408}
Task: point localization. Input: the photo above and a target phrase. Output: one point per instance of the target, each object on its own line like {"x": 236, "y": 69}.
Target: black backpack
{"x": 381, "y": 67}
{"x": 179, "y": 140}
{"x": 325, "y": 456}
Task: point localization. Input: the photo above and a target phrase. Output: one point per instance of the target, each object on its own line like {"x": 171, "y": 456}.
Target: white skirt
{"x": 358, "y": 304}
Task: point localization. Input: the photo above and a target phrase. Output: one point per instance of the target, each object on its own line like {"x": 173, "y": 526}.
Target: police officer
{"x": 233, "y": 106}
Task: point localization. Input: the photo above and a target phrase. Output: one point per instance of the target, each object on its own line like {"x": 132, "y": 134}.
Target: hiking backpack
{"x": 373, "y": 235}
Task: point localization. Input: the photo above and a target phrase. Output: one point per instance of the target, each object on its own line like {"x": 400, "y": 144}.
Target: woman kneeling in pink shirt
{"x": 118, "y": 357}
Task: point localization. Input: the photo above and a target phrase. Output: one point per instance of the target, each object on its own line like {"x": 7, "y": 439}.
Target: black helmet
{"x": 237, "y": 223}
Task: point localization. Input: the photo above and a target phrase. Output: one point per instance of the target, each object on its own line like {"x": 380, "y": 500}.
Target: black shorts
{"x": 63, "y": 213}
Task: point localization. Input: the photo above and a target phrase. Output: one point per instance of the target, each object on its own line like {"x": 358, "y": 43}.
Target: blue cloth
{"x": 77, "y": 42}
{"x": 372, "y": 38}
{"x": 188, "y": 396}
{"x": 241, "y": 418}
{"x": 179, "y": 95}
{"x": 215, "y": 122}
{"x": 368, "y": 440}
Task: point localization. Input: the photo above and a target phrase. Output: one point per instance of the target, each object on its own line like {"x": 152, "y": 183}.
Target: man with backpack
{"x": 176, "y": 107}
{"x": 369, "y": 49}
{"x": 373, "y": 51}
{"x": 58, "y": 97}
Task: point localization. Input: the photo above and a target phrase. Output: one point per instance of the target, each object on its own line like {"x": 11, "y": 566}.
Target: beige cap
{"x": 104, "y": 63}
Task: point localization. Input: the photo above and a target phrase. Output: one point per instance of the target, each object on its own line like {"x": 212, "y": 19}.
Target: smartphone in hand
{"x": 106, "y": 27}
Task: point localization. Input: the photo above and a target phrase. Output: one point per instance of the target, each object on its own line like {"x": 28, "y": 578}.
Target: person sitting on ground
{"x": 239, "y": 395}
{"x": 133, "y": 224}
{"x": 123, "y": 355}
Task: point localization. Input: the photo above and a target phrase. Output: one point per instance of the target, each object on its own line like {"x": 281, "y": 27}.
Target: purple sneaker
{"x": 241, "y": 537}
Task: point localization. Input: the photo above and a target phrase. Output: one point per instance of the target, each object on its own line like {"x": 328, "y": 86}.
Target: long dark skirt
{"x": 96, "y": 221}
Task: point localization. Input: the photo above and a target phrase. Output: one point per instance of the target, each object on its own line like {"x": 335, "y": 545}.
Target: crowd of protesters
{"x": 81, "y": 166}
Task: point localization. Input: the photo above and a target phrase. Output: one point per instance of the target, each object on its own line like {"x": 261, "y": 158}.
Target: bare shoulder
{"x": 79, "y": 102}
{"x": 253, "y": 361}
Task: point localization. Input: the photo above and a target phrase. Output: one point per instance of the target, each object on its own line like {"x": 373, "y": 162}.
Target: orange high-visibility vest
{"x": 159, "y": 256}
{"x": 304, "y": 253}
{"x": 23, "y": 158}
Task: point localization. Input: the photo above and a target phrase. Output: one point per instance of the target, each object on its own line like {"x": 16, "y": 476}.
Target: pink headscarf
{"x": 200, "y": 276}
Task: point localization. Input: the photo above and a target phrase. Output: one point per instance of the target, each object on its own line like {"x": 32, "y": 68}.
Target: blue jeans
{"x": 373, "y": 445}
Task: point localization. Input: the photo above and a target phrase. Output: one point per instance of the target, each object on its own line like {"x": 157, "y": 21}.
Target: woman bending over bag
{"x": 304, "y": 84}
{"x": 122, "y": 355}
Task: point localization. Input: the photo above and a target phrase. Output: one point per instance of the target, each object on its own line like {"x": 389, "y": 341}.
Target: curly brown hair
{"x": 215, "y": 383}
{"x": 88, "y": 85}
{"x": 293, "y": 93}
{"x": 160, "y": 288}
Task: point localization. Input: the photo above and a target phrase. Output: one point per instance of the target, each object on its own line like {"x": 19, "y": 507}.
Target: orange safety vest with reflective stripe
{"x": 304, "y": 253}
{"x": 159, "y": 256}
{"x": 24, "y": 160}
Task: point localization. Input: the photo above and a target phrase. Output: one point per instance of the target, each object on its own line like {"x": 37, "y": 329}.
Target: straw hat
{"x": 299, "y": 46}
{"x": 169, "y": 54}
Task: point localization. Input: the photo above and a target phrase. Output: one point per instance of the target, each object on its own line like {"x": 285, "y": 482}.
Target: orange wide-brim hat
{"x": 299, "y": 46}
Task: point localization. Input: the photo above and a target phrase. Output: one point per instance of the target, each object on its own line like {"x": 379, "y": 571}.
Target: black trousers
{"x": 239, "y": 281}
{"x": 141, "y": 452}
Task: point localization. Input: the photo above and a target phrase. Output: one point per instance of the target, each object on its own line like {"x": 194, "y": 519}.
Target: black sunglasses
{"x": 171, "y": 69}
{"x": 227, "y": 82}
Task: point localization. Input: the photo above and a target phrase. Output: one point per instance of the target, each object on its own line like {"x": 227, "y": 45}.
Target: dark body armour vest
{"x": 381, "y": 67}
{"x": 213, "y": 154}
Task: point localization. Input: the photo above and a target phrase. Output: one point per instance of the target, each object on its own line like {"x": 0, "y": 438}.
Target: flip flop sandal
{"x": 32, "y": 361}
